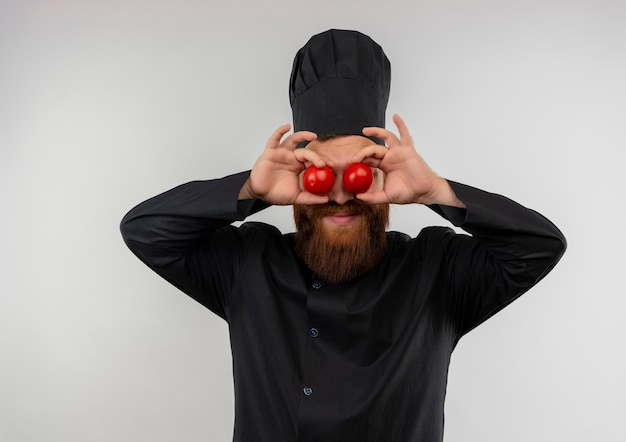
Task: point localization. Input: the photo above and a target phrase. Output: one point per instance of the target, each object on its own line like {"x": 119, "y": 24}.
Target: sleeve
{"x": 511, "y": 248}
{"x": 185, "y": 235}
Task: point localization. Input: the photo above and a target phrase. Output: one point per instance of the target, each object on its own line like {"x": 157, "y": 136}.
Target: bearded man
{"x": 342, "y": 331}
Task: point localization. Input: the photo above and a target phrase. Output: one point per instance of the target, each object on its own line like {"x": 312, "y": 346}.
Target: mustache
{"x": 352, "y": 207}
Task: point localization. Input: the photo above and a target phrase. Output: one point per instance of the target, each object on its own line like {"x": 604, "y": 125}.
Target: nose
{"x": 338, "y": 194}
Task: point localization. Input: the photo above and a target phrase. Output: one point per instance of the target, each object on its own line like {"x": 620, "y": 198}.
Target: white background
{"x": 106, "y": 103}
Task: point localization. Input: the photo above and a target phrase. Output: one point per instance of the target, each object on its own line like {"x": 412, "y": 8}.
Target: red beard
{"x": 341, "y": 254}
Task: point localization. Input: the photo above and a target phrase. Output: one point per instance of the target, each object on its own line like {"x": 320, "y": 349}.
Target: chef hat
{"x": 339, "y": 84}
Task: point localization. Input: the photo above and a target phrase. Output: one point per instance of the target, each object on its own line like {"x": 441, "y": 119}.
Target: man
{"x": 342, "y": 331}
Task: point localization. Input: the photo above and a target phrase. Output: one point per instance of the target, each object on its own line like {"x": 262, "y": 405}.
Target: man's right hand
{"x": 275, "y": 177}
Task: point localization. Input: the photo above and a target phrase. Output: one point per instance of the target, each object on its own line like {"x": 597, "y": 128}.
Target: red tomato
{"x": 357, "y": 178}
{"x": 317, "y": 180}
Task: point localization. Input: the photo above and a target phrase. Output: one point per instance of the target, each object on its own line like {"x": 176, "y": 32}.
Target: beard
{"x": 341, "y": 253}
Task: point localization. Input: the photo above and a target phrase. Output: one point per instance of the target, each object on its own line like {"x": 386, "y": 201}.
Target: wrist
{"x": 246, "y": 192}
{"x": 442, "y": 194}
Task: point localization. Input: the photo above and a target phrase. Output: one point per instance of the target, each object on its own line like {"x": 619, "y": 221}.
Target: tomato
{"x": 357, "y": 178}
{"x": 317, "y": 180}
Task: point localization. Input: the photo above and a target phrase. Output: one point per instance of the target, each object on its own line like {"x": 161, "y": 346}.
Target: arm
{"x": 185, "y": 234}
{"x": 511, "y": 247}
{"x": 169, "y": 233}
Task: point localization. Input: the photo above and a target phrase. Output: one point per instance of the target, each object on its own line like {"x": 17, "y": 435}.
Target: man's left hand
{"x": 408, "y": 179}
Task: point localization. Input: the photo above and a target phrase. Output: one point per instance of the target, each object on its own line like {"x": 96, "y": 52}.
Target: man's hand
{"x": 275, "y": 175}
{"x": 408, "y": 179}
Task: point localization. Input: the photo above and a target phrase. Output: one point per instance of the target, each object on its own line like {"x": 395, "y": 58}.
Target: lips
{"x": 342, "y": 219}
{"x": 339, "y": 215}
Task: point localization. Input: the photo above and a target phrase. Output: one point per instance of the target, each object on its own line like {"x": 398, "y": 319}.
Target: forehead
{"x": 341, "y": 146}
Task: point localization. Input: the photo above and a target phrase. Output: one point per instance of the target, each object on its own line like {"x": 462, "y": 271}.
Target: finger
{"x": 403, "y": 130}
{"x": 387, "y": 136}
{"x": 309, "y": 157}
{"x": 378, "y": 197}
{"x": 292, "y": 141}
{"x": 372, "y": 162}
{"x": 374, "y": 151}
{"x": 274, "y": 140}
{"x": 311, "y": 198}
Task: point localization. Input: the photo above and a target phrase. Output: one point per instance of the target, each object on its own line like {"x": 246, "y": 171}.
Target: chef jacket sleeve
{"x": 510, "y": 249}
{"x": 175, "y": 232}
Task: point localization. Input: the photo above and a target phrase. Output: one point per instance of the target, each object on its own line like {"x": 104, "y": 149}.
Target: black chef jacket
{"x": 365, "y": 360}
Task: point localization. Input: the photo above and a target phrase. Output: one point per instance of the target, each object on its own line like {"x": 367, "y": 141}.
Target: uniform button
{"x": 313, "y": 332}
{"x": 316, "y": 284}
{"x": 308, "y": 391}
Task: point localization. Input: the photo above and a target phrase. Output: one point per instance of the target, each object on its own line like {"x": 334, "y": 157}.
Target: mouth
{"x": 341, "y": 219}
